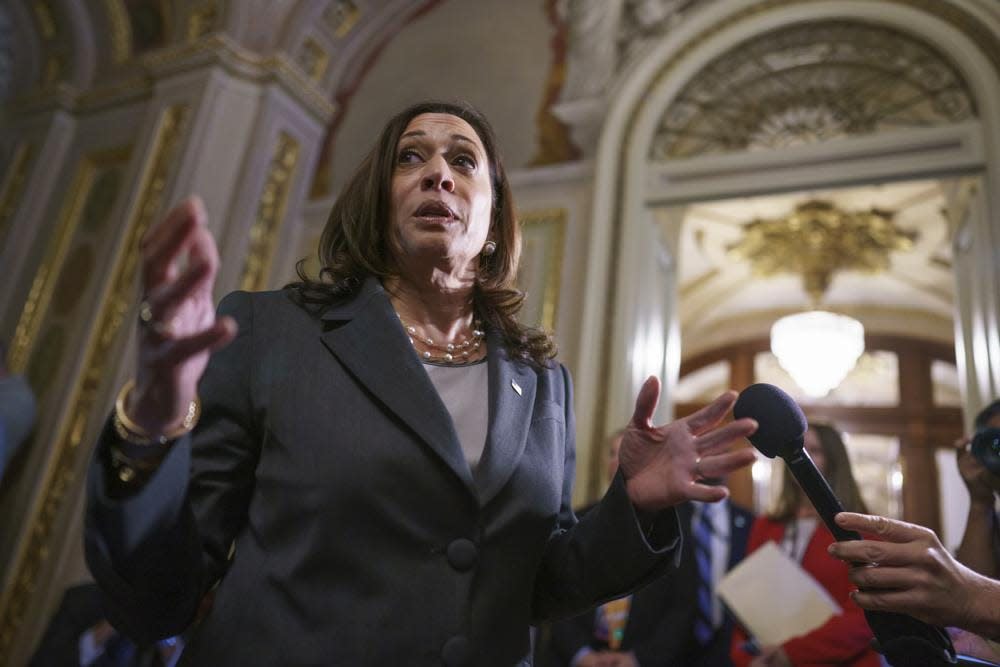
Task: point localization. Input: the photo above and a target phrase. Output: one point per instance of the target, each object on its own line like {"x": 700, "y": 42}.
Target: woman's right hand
{"x": 178, "y": 329}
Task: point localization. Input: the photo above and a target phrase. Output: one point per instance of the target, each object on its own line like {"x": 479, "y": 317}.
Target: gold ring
{"x": 146, "y": 319}
{"x": 697, "y": 467}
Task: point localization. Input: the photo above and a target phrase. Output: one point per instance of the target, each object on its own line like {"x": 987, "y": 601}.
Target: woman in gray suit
{"x": 374, "y": 467}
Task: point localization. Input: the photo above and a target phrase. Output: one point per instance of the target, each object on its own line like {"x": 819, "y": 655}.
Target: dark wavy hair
{"x": 354, "y": 243}
{"x": 838, "y": 474}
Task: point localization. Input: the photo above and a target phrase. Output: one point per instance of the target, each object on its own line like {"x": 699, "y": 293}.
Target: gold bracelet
{"x": 129, "y": 431}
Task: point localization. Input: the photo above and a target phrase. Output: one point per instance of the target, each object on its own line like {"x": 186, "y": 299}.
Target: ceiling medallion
{"x": 817, "y": 240}
{"x": 819, "y": 348}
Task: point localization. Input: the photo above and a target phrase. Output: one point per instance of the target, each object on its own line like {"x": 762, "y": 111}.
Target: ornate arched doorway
{"x": 751, "y": 99}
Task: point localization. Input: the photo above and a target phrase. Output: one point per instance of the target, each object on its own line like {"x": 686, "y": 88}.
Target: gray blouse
{"x": 465, "y": 392}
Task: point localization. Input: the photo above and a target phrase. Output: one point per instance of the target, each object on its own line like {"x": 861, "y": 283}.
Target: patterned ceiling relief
{"x": 811, "y": 83}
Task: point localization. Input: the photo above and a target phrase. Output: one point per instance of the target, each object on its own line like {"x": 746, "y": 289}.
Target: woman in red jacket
{"x": 845, "y": 639}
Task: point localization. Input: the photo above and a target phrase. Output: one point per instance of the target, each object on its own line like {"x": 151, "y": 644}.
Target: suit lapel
{"x": 512, "y": 401}
{"x": 373, "y": 346}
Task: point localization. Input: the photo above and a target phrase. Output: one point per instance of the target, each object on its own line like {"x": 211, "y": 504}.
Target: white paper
{"x": 774, "y": 598}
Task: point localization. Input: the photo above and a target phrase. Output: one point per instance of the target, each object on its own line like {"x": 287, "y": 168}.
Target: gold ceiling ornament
{"x": 819, "y": 239}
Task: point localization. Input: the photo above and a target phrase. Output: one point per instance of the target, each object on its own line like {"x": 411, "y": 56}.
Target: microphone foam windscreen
{"x": 781, "y": 424}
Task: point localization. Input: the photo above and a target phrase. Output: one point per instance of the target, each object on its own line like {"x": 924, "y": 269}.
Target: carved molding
{"x": 40, "y": 294}
{"x": 202, "y": 21}
{"x": 543, "y": 235}
{"x": 213, "y": 50}
{"x": 341, "y": 16}
{"x": 270, "y": 214}
{"x": 121, "y": 30}
{"x": 313, "y": 59}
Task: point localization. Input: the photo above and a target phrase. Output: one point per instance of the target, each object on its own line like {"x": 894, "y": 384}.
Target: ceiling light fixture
{"x": 819, "y": 348}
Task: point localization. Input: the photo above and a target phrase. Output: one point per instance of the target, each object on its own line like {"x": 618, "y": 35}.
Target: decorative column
{"x": 36, "y": 138}
{"x": 646, "y": 323}
{"x": 976, "y": 262}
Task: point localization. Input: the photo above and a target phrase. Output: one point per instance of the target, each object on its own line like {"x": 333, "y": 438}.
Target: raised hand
{"x": 177, "y": 328}
{"x": 662, "y": 465}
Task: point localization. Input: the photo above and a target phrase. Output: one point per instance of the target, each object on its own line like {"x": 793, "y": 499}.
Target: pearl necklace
{"x": 452, "y": 353}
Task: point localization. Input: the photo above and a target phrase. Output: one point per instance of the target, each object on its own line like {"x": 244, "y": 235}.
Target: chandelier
{"x": 819, "y": 348}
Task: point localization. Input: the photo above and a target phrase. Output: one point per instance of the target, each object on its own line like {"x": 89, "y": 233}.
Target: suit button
{"x": 457, "y": 652}
{"x": 462, "y": 554}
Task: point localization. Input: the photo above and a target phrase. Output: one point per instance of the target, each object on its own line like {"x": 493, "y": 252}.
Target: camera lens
{"x": 986, "y": 448}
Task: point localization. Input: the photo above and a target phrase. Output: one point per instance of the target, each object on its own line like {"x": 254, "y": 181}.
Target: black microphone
{"x": 781, "y": 432}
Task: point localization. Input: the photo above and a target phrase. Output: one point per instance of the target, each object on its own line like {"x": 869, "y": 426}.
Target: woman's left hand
{"x": 662, "y": 465}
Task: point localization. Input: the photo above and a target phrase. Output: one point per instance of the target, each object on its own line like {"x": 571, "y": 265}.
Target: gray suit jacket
{"x": 326, "y": 491}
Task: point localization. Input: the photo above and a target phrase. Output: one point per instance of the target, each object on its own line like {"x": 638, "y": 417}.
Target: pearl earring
{"x": 489, "y": 248}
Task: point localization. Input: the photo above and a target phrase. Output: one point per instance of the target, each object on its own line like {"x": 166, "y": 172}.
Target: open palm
{"x": 663, "y": 465}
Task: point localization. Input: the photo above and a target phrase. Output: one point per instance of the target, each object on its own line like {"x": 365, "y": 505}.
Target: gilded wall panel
{"x": 543, "y": 235}
{"x": 91, "y": 195}
{"x": 313, "y": 59}
{"x": 270, "y": 214}
{"x": 77, "y": 422}
{"x": 341, "y": 16}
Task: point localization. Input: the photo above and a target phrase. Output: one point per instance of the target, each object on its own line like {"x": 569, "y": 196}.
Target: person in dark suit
{"x": 726, "y": 546}
{"x": 659, "y": 623}
{"x": 379, "y": 469}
